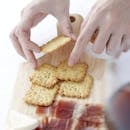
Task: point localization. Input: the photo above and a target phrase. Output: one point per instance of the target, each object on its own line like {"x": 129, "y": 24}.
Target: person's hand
{"x": 112, "y": 19}
{"x": 32, "y": 14}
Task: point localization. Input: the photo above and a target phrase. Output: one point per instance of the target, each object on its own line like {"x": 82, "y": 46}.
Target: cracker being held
{"x": 76, "y": 89}
{"x": 74, "y": 73}
{"x": 41, "y": 96}
{"x": 44, "y": 76}
{"x": 55, "y": 44}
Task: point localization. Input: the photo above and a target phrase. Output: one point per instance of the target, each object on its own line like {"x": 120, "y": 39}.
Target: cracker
{"x": 41, "y": 96}
{"x": 44, "y": 76}
{"x": 55, "y": 44}
{"x": 74, "y": 73}
{"x": 76, "y": 89}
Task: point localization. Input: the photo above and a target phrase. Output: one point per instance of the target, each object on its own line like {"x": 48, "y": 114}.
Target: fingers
{"x": 87, "y": 17}
{"x": 24, "y": 38}
{"x": 101, "y": 40}
{"x": 28, "y": 48}
{"x": 114, "y": 45}
{"x": 82, "y": 40}
{"x": 30, "y": 57}
{"x": 22, "y": 49}
{"x": 66, "y": 28}
{"x": 37, "y": 18}
{"x": 23, "y": 45}
{"x": 16, "y": 44}
{"x": 85, "y": 21}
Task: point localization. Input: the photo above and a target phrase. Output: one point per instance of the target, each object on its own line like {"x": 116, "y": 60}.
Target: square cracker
{"x": 74, "y": 73}
{"x": 41, "y": 96}
{"x": 55, "y": 44}
{"x": 44, "y": 76}
{"x": 76, "y": 89}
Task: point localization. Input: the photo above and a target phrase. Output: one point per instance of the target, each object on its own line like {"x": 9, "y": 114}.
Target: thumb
{"x": 66, "y": 27}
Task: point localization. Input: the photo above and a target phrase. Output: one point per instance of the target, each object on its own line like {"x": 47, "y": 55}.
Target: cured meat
{"x": 91, "y": 117}
{"x": 56, "y": 124}
{"x": 64, "y": 109}
{"x": 46, "y": 111}
{"x": 69, "y": 125}
{"x": 41, "y": 110}
{"x": 59, "y": 116}
{"x": 94, "y": 110}
{"x": 83, "y": 125}
{"x": 92, "y": 114}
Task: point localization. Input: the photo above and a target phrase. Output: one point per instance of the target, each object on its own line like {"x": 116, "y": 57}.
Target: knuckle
{"x": 26, "y": 46}
{"x": 18, "y": 31}
{"x": 30, "y": 8}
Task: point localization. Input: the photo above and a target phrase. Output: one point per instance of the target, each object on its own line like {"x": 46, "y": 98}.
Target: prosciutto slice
{"x": 63, "y": 115}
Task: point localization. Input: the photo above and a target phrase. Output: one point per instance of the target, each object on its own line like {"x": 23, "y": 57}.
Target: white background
{"x": 9, "y": 60}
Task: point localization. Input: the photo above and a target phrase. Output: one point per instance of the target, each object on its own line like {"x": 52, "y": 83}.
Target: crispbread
{"x": 55, "y": 43}
{"x": 74, "y": 73}
{"x": 76, "y": 89}
{"x": 41, "y": 96}
{"x": 44, "y": 76}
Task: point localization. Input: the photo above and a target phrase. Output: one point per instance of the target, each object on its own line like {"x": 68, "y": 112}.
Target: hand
{"x": 112, "y": 19}
{"x": 32, "y": 14}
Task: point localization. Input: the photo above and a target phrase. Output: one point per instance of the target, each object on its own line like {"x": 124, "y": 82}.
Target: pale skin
{"x": 110, "y": 17}
{"x": 31, "y": 15}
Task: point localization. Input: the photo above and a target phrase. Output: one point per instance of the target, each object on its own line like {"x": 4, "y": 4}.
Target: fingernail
{"x": 70, "y": 63}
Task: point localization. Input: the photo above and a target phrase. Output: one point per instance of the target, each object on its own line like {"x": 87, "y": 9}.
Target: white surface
{"x": 9, "y": 60}
{"x": 22, "y": 122}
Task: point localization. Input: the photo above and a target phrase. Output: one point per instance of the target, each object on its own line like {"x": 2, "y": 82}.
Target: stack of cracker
{"x": 47, "y": 81}
{"x": 75, "y": 80}
{"x": 43, "y": 88}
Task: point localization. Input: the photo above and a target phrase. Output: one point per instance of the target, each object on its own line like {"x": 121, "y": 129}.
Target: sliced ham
{"x": 64, "y": 109}
{"x": 56, "y": 124}
{"x": 46, "y": 111}
{"x": 92, "y": 116}
{"x": 41, "y": 110}
{"x": 61, "y": 115}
